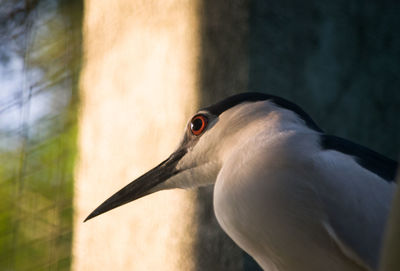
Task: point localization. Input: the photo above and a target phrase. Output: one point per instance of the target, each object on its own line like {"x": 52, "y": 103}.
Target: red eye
{"x": 198, "y": 124}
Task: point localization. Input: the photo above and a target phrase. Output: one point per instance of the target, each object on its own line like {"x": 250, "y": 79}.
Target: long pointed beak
{"x": 141, "y": 186}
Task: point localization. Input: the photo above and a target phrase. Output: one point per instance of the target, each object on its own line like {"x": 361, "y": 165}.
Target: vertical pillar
{"x": 138, "y": 86}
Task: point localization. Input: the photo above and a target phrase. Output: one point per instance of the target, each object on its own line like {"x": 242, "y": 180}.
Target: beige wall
{"x": 138, "y": 88}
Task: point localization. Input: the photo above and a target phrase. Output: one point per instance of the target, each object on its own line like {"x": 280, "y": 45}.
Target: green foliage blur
{"x": 38, "y": 124}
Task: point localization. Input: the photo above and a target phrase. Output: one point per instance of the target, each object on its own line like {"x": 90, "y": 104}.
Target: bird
{"x": 290, "y": 195}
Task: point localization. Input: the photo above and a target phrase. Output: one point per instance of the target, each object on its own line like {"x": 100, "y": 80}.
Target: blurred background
{"x": 89, "y": 88}
{"x": 40, "y": 55}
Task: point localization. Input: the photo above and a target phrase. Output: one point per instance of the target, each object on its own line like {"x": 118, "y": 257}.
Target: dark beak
{"x": 142, "y": 185}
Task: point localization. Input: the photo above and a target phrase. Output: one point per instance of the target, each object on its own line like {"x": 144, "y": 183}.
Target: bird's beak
{"x": 143, "y": 185}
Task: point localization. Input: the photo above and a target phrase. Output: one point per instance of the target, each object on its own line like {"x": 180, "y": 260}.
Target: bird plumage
{"x": 289, "y": 195}
{"x": 311, "y": 203}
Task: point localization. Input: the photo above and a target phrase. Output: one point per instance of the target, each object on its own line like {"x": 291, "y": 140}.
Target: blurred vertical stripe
{"x": 138, "y": 87}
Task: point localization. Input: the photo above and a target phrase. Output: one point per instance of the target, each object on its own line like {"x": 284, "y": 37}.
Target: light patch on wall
{"x": 138, "y": 88}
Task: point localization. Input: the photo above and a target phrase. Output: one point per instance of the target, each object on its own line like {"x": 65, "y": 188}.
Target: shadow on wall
{"x": 338, "y": 60}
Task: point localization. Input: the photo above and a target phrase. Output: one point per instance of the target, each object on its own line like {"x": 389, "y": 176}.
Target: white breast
{"x": 268, "y": 201}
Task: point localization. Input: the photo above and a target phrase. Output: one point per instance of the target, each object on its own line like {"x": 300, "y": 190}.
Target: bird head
{"x": 212, "y": 135}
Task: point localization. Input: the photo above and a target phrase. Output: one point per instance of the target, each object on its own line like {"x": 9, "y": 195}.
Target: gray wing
{"x": 357, "y": 198}
{"x": 384, "y": 167}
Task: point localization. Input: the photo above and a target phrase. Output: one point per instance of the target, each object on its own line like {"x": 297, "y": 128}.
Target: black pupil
{"x": 196, "y": 124}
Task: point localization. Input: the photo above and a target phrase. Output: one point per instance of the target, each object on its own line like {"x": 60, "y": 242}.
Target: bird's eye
{"x": 198, "y": 124}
